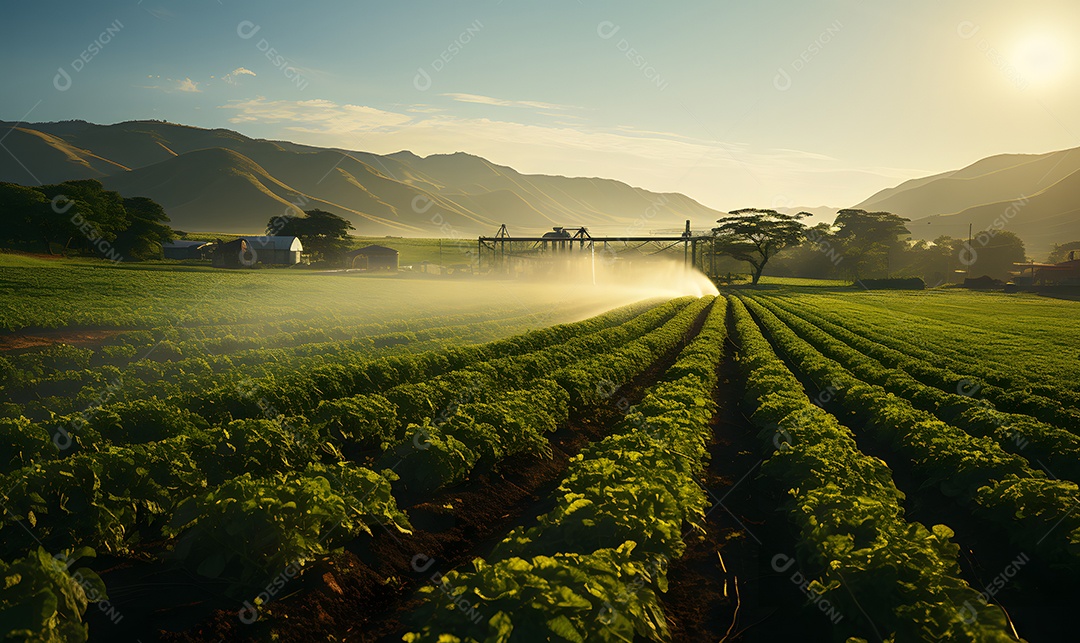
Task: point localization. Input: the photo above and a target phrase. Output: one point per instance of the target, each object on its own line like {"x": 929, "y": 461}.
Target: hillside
{"x": 1035, "y": 196}
{"x": 220, "y": 180}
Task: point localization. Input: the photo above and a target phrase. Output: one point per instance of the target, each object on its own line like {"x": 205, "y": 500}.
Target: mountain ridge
{"x": 400, "y": 193}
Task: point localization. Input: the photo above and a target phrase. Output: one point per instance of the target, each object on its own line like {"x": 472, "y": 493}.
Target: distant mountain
{"x": 1035, "y": 196}
{"x": 218, "y": 180}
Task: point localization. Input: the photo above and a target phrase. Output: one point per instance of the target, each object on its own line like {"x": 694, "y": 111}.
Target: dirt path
{"x": 21, "y": 340}
{"x": 724, "y": 587}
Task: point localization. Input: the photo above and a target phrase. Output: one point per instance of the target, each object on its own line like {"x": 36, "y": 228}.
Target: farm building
{"x": 280, "y": 251}
{"x": 1066, "y": 273}
{"x": 233, "y": 254}
{"x": 373, "y": 258}
{"x": 183, "y": 249}
{"x": 246, "y": 252}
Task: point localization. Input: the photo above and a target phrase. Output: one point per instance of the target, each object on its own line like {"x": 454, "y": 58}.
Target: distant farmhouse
{"x": 249, "y": 251}
{"x": 183, "y": 249}
{"x": 1066, "y": 273}
{"x": 373, "y": 258}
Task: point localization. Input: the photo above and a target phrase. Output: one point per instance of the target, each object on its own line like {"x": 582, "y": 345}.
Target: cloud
{"x": 233, "y": 76}
{"x": 187, "y": 85}
{"x": 315, "y": 116}
{"x": 488, "y": 100}
{"x": 424, "y": 109}
{"x": 175, "y": 85}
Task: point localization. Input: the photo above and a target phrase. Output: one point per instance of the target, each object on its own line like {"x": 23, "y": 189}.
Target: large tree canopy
{"x": 755, "y": 236}
{"x": 84, "y": 216}
{"x": 867, "y": 240}
{"x": 324, "y": 234}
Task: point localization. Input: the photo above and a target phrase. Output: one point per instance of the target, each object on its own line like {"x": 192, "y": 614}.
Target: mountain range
{"x": 217, "y": 180}
{"x": 1037, "y": 196}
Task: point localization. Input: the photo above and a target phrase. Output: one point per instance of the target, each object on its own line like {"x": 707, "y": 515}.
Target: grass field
{"x": 297, "y": 455}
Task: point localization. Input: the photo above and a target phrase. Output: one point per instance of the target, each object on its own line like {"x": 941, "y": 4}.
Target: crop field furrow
{"x": 1015, "y": 361}
{"x": 631, "y": 361}
{"x": 206, "y": 455}
{"x": 1037, "y": 512}
{"x": 1046, "y": 401}
{"x": 1044, "y": 446}
{"x": 592, "y": 554}
{"x": 879, "y": 570}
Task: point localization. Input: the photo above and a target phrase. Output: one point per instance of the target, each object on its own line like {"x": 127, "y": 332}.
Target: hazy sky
{"x": 735, "y": 103}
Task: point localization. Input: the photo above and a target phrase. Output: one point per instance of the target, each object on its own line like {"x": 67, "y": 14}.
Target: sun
{"x": 1040, "y": 59}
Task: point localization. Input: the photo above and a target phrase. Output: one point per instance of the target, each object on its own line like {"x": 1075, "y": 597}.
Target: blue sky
{"x": 736, "y": 103}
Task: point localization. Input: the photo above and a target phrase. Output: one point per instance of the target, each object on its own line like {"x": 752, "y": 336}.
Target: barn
{"x": 183, "y": 249}
{"x": 372, "y": 258}
{"x": 274, "y": 250}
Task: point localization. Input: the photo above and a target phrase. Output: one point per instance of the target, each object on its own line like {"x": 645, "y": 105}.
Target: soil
{"x": 363, "y": 593}
{"x": 36, "y": 339}
{"x": 724, "y": 588}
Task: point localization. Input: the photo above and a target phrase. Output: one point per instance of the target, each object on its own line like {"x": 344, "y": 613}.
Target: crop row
{"x": 515, "y": 421}
{"x": 1036, "y": 512}
{"x": 299, "y": 392}
{"x": 1055, "y": 448}
{"x": 932, "y": 368}
{"x": 975, "y": 351}
{"x": 592, "y": 567}
{"x": 137, "y": 459}
{"x": 255, "y": 498}
{"x": 77, "y": 388}
{"x": 888, "y": 576}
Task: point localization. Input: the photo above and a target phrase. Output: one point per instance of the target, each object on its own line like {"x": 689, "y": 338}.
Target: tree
{"x": 1061, "y": 251}
{"x": 755, "y": 236}
{"x": 868, "y": 240}
{"x": 323, "y": 234}
{"x": 82, "y": 215}
{"x": 146, "y": 230}
{"x": 992, "y": 253}
{"x": 21, "y": 211}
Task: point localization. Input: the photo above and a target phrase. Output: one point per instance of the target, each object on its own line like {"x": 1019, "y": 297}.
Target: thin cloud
{"x": 500, "y": 102}
{"x": 315, "y": 116}
{"x": 185, "y": 85}
{"x": 234, "y": 76}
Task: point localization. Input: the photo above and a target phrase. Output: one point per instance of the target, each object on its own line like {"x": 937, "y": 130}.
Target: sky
{"x": 736, "y": 103}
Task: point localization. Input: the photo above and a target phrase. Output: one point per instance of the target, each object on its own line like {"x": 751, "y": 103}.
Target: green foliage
{"x": 606, "y": 595}
{"x": 43, "y": 600}
{"x": 885, "y": 574}
{"x": 23, "y": 443}
{"x": 82, "y": 214}
{"x": 250, "y": 529}
{"x": 755, "y": 236}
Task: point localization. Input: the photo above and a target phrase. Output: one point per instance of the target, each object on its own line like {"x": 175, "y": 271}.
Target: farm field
{"x": 271, "y": 455}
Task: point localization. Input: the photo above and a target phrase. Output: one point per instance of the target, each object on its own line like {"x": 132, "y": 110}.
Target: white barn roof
{"x": 275, "y": 243}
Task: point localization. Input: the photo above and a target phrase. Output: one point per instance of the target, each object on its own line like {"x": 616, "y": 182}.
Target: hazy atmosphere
{"x": 523, "y": 322}
{"x": 771, "y": 104}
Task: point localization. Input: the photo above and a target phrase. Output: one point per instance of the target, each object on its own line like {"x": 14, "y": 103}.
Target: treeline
{"x": 82, "y": 217}
{"x": 861, "y": 245}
